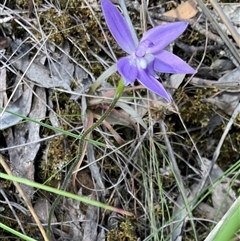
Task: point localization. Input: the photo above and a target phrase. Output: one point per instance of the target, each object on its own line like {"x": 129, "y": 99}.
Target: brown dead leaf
{"x": 30, "y": 7}
{"x": 85, "y": 181}
{"x": 42, "y": 208}
{"x": 185, "y": 10}
{"x": 4, "y": 42}
{"x": 116, "y": 117}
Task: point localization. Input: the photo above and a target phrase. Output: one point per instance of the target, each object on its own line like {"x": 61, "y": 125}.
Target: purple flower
{"x": 148, "y": 55}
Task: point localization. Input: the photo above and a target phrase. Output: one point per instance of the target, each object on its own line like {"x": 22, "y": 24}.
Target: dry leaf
{"x": 185, "y": 10}
{"x": 230, "y": 95}
{"x": 222, "y": 194}
{"x": 39, "y": 74}
{"x": 232, "y": 12}
{"x": 42, "y": 208}
{"x": 175, "y": 81}
{"x": 95, "y": 171}
{"x": 22, "y": 158}
{"x": 21, "y": 105}
{"x": 4, "y": 42}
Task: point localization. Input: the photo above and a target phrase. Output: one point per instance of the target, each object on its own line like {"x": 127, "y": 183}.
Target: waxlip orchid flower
{"x": 148, "y": 55}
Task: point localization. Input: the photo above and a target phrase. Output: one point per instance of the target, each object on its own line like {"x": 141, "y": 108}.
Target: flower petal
{"x": 127, "y": 69}
{"x": 167, "y": 62}
{"x": 161, "y": 36}
{"x": 118, "y": 26}
{"x": 152, "y": 84}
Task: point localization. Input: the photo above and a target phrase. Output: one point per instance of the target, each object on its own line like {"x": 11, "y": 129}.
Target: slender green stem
{"x": 118, "y": 94}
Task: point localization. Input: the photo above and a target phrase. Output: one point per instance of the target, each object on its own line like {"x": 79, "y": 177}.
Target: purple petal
{"x": 152, "y": 84}
{"x": 151, "y": 71}
{"x": 127, "y": 69}
{"x": 167, "y": 62}
{"x": 161, "y": 36}
{"x": 118, "y": 26}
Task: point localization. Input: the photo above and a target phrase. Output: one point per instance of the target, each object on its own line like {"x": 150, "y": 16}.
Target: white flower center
{"x": 142, "y": 56}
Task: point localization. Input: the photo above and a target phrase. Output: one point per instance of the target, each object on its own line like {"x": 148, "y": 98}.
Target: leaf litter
{"x": 114, "y": 174}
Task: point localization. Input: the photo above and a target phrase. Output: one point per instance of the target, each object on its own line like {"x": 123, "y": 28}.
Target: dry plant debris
{"x": 175, "y": 168}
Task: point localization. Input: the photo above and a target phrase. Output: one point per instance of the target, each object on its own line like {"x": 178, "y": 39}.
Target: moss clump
{"x": 57, "y": 24}
{"x": 26, "y": 3}
{"x": 61, "y": 149}
{"x": 73, "y": 20}
{"x": 9, "y": 220}
{"x": 67, "y": 109}
{"x": 195, "y": 112}
{"x": 125, "y": 232}
{"x": 56, "y": 156}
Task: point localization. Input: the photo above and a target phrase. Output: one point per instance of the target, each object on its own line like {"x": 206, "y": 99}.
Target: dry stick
{"x": 194, "y": 49}
{"x": 225, "y": 38}
{"x": 12, "y": 209}
{"x": 232, "y": 87}
{"x": 226, "y": 21}
{"x": 27, "y": 201}
{"x": 217, "y": 151}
